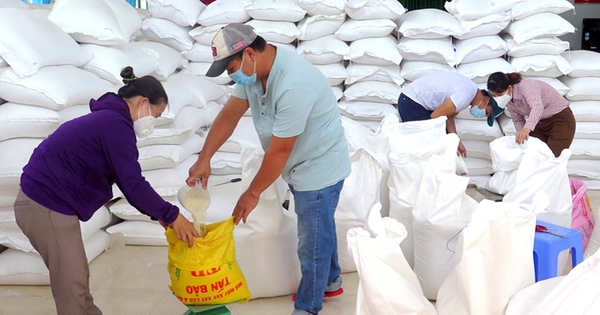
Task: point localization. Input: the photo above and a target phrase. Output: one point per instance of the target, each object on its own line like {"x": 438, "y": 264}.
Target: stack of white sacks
{"x": 43, "y": 88}
{"x": 582, "y": 83}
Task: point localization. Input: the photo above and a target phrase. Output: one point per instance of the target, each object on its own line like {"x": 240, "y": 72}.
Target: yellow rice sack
{"x": 207, "y": 273}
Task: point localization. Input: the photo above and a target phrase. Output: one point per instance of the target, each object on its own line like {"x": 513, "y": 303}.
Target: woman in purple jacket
{"x": 70, "y": 175}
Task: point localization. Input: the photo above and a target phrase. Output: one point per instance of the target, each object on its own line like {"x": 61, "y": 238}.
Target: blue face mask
{"x": 241, "y": 78}
{"x": 477, "y": 112}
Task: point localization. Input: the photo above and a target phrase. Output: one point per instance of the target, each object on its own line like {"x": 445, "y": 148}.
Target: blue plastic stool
{"x": 546, "y": 248}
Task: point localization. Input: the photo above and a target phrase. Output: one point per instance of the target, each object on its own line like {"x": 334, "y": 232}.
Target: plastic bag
{"x": 583, "y": 217}
{"x": 206, "y": 273}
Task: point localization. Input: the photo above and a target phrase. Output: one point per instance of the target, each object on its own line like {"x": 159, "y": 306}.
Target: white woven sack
{"x": 577, "y": 293}
{"x": 584, "y": 63}
{"x": 182, "y": 12}
{"x": 478, "y": 167}
{"x": 281, "y": 10}
{"x": 586, "y": 111}
{"x": 381, "y": 51}
{"x": 223, "y": 12}
{"x": 479, "y": 71}
{"x": 140, "y": 233}
{"x": 352, "y": 30}
{"x": 554, "y": 82}
{"x": 323, "y": 50}
{"x": 411, "y": 70}
{"x": 585, "y": 149}
{"x": 476, "y": 9}
{"x": 36, "y": 43}
{"x": 335, "y": 72}
{"x": 527, "y": 8}
{"x": 15, "y": 153}
{"x": 266, "y": 244}
{"x": 387, "y": 284}
{"x": 480, "y": 48}
{"x": 200, "y": 69}
{"x": 366, "y": 110}
{"x": 478, "y": 148}
{"x": 541, "y": 65}
{"x": 185, "y": 89}
{"x": 491, "y": 24}
{"x": 177, "y": 132}
{"x": 72, "y": 112}
{"x": 406, "y": 173}
{"x": 477, "y": 130}
{"x": 525, "y": 300}
{"x": 583, "y": 167}
{"x": 277, "y": 31}
{"x": 493, "y": 250}
{"x": 199, "y": 53}
{"x": 114, "y": 23}
{"x": 588, "y": 130}
{"x": 374, "y": 9}
{"x": 439, "y": 50}
{"x": 168, "y": 33}
{"x": 373, "y": 91}
{"x": 54, "y": 87}
{"x": 315, "y": 26}
{"x": 359, "y": 194}
{"x": 506, "y": 124}
{"x": 360, "y": 72}
{"x": 539, "y": 25}
{"x": 506, "y": 153}
{"x": 123, "y": 210}
{"x": 26, "y": 121}
{"x": 159, "y": 156}
{"x": 582, "y": 89}
{"x": 108, "y": 61}
{"x": 168, "y": 59}
{"x": 541, "y": 171}
{"x": 411, "y": 24}
{"x": 205, "y": 34}
{"x": 323, "y": 7}
{"x": 501, "y": 182}
{"x": 535, "y": 46}
{"x": 244, "y": 136}
{"x": 441, "y": 211}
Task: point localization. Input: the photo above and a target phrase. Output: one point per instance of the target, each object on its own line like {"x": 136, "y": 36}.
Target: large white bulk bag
{"x": 26, "y": 121}
{"x": 182, "y": 12}
{"x": 411, "y": 24}
{"x": 224, "y": 12}
{"x": 281, "y": 10}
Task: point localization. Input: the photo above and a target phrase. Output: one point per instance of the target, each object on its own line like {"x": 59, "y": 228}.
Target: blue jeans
{"x": 410, "y": 110}
{"x": 317, "y": 246}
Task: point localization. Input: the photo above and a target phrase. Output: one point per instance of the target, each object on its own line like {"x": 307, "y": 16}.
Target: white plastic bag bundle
{"x": 387, "y": 284}
{"x": 494, "y": 261}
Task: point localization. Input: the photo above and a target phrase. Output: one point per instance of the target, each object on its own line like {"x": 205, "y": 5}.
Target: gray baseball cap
{"x": 228, "y": 41}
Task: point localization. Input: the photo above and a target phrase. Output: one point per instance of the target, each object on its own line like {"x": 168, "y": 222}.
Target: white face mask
{"x": 144, "y": 126}
{"x": 503, "y": 100}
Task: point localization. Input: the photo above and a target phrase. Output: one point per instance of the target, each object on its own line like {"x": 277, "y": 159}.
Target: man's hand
{"x": 201, "y": 171}
{"x": 244, "y": 206}
{"x": 184, "y": 230}
{"x": 462, "y": 151}
{"x": 522, "y": 135}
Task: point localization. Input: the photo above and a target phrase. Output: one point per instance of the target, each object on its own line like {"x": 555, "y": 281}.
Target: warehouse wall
{"x": 582, "y": 11}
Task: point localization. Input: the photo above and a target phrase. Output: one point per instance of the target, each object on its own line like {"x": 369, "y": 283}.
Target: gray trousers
{"x": 57, "y": 237}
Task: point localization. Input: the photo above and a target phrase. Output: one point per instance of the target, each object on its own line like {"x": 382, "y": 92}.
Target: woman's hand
{"x": 184, "y": 230}
{"x": 522, "y": 135}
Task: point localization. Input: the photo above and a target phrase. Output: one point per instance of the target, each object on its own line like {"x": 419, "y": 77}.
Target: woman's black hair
{"x": 498, "y": 82}
{"x": 146, "y": 86}
{"x": 259, "y": 44}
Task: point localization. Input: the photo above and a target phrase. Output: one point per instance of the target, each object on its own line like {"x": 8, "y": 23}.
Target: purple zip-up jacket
{"x": 72, "y": 171}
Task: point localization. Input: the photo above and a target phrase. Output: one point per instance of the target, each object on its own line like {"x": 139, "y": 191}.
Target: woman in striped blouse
{"x": 536, "y": 109}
